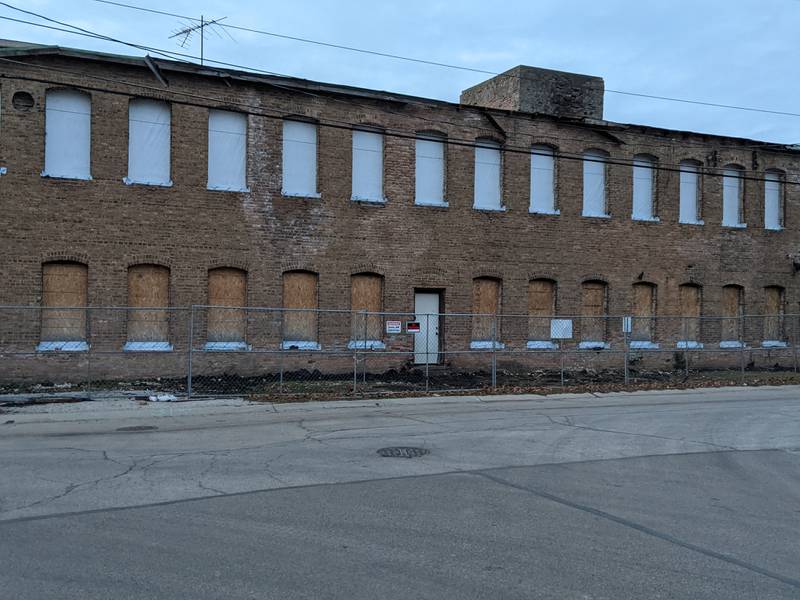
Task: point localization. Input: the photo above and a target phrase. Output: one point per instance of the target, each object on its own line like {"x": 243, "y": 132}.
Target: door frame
{"x": 440, "y": 337}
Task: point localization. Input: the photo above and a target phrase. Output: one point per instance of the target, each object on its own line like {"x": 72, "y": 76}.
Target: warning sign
{"x": 394, "y": 327}
{"x": 412, "y": 327}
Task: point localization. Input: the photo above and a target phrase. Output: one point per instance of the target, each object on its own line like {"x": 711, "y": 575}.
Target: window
{"x": 543, "y": 182}
{"x": 486, "y": 295}
{"x": 732, "y": 313}
{"x": 227, "y": 151}
{"x": 368, "y": 166}
{"x": 366, "y": 296}
{"x": 594, "y": 303}
{"x": 149, "y": 143}
{"x": 300, "y": 159}
{"x": 594, "y": 183}
{"x": 643, "y": 316}
{"x": 774, "y": 308}
{"x": 541, "y": 308}
{"x": 64, "y": 299}
{"x": 773, "y": 200}
{"x": 300, "y": 316}
{"x": 732, "y": 196}
{"x": 487, "y": 192}
{"x": 643, "y": 188}
{"x": 430, "y": 170}
{"x": 68, "y": 133}
{"x": 690, "y": 193}
{"x": 690, "y": 300}
{"x": 227, "y": 316}
{"x": 148, "y": 301}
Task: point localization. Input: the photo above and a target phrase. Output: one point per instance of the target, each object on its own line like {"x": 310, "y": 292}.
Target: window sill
{"x": 552, "y": 213}
{"x": 147, "y": 347}
{"x": 689, "y": 345}
{"x": 774, "y": 344}
{"x": 72, "y": 177}
{"x": 215, "y": 188}
{"x": 487, "y": 209}
{"x": 226, "y": 347}
{"x": 642, "y": 345}
{"x": 427, "y": 204}
{"x": 486, "y": 345}
{"x": 731, "y": 344}
{"x": 374, "y": 201}
{"x": 646, "y": 219}
{"x": 541, "y": 345}
{"x": 299, "y": 345}
{"x": 776, "y": 229}
{"x": 74, "y": 346}
{"x": 734, "y": 225}
{"x": 591, "y": 345}
{"x": 129, "y": 181}
{"x": 308, "y": 196}
{"x": 366, "y": 345}
{"x": 595, "y": 216}
{"x": 700, "y": 222}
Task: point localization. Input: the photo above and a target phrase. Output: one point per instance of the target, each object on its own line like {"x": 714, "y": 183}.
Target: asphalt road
{"x": 652, "y": 495}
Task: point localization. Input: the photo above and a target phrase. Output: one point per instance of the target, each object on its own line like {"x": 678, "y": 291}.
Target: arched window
{"x": 541, "y": 308}
{"x": 690, "y": 206}
{"x": 366, "y": 296}
{"x": 543, "y": 181}
{"x": 643, "y": 315}
{"x": 773, "y": 199}
{"x": 300, "y": 159}
{"x": 731, "y": 327}
{"x": 774, "y": 308}
{"x": 594, "y": 311}
{"x": 148, "y": 301}
{"x": 300, "y": 301}
{"x": 733, "y": 196}
{"x": 64, "y": 299}
{"x": 488, "y": 184}
{"x": 227, "y": 315}
{"x": 430, "y": 170}
{"x": 690, "y": 303}
{"x": 486, "y": 299}
{"x": 68, "y": 134}
{"x": 368, "y": 166}
{"x": 149, "y": 139}
{"x": 594, "y": 183}
{"x": 644, "y": 188}
{"x": 227, "y": 151}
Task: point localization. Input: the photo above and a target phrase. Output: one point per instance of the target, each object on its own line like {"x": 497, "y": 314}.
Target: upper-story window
{"x": 227, "y": 151}
{"x": 690, "y": 207}
{"x": 430, "y": 170}
{"x": 644, "y": 188}
{"x": 543, "y": 181}
{"x": 68, "y": 127}
{"x": 368, "y": 166}
{"x": 733, "y": 196}
{"x": 594, "y": 183}
{"x": 149, "y": 125}
{"x": 488, "y": 176}
{"x": 773, "y": 199}
{"x": 300, "y": 159}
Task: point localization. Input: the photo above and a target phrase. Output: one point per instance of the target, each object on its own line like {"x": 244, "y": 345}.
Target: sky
{"x": 742, "y": 52}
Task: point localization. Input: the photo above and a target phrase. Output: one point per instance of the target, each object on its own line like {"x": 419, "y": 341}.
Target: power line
{"x": 448, "y": 65}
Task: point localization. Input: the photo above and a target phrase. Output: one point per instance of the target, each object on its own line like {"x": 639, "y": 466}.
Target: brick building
{"x": 143, "y": 182}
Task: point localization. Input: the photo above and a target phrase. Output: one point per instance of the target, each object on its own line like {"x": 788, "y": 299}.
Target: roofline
{"x": 20, "y": 48}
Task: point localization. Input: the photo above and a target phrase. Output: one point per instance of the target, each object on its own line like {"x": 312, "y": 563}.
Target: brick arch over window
{"x": 486, "y": 305}
{"x": 366, "y": 296}
{"x": 300, "y": 320}
{"x": 64, "y": 300}
{"x": 227, "y": 297}
{"x": 148, "y": 300}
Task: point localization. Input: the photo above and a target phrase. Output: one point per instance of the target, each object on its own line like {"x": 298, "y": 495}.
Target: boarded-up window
{"x": 690, "y": 192}
{"x": 68, "y": 126}
{"x": 227, "y": 151}
{"x": 594, "y": 183}
{"x": 543, "y": 188}
{"x": 149, "y": 126}
{"x": 485, "y": 306}
{"x": 366, "y": 296}
{"x": 300, "y": 159}
{"x": 773, "y": 200}
{"x": 488, "y": 176}
{"x": 643, "y": 179}
{"x": 643, "y": 312}
{"x": 690, "y": 307}
{"x": 368, "y": 166}
{"x": 774, "y": 307}
{"x": 732, "y": 196}
{"x": 227, "y": 288}
{"x": 593, "y": 311}
{"x": 148, "y": 299}
{"x": 300, "y": 318}
{"x": 429, "y": 185}
{"x": 732, "y": 313}
{"x": 541, "y": 308}
{"x": 64, "y": 291}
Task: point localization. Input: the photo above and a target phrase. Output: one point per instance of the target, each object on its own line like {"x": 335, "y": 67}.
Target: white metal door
{"x": 426, "y": 342}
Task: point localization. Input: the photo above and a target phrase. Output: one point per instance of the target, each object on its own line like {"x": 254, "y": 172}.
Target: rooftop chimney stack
{"x": 535, "y": 90}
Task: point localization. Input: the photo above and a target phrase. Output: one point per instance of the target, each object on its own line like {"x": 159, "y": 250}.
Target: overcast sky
{"x": 743, "y": 52}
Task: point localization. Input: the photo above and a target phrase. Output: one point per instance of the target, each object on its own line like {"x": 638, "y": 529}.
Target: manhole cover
{"x": 138, "y": 428}
{"x": 403, "y": 452}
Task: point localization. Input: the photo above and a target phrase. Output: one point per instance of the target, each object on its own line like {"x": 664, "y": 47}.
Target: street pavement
{"x": 675, "y": 494}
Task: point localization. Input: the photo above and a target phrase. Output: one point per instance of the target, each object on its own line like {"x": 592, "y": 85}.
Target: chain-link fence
{"x": 245, "y": 351}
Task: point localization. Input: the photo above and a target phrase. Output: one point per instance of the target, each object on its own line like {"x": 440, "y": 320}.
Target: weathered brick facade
{"x": 110, "y": 226}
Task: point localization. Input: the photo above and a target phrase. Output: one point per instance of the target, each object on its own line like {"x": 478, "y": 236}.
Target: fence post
{"x": 794, "y": 341}
{"x": 494, "y": 354}
{"x": 741, "y": 346}
{"x": 561, "y": 356}
{"x": 625, "y": 345}
{"x": 427, "y": 351}
{"x": 364, "y": 371}
{"x": 89, "y": 352}
{"x": 191, "y": 347}
{"x": 685, "y": 329}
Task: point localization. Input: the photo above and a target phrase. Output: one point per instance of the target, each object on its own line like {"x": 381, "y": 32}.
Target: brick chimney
{"x": 535, "y": 90}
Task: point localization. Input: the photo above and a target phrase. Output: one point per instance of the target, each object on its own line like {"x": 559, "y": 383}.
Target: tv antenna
{"x": 186, "y": 33}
